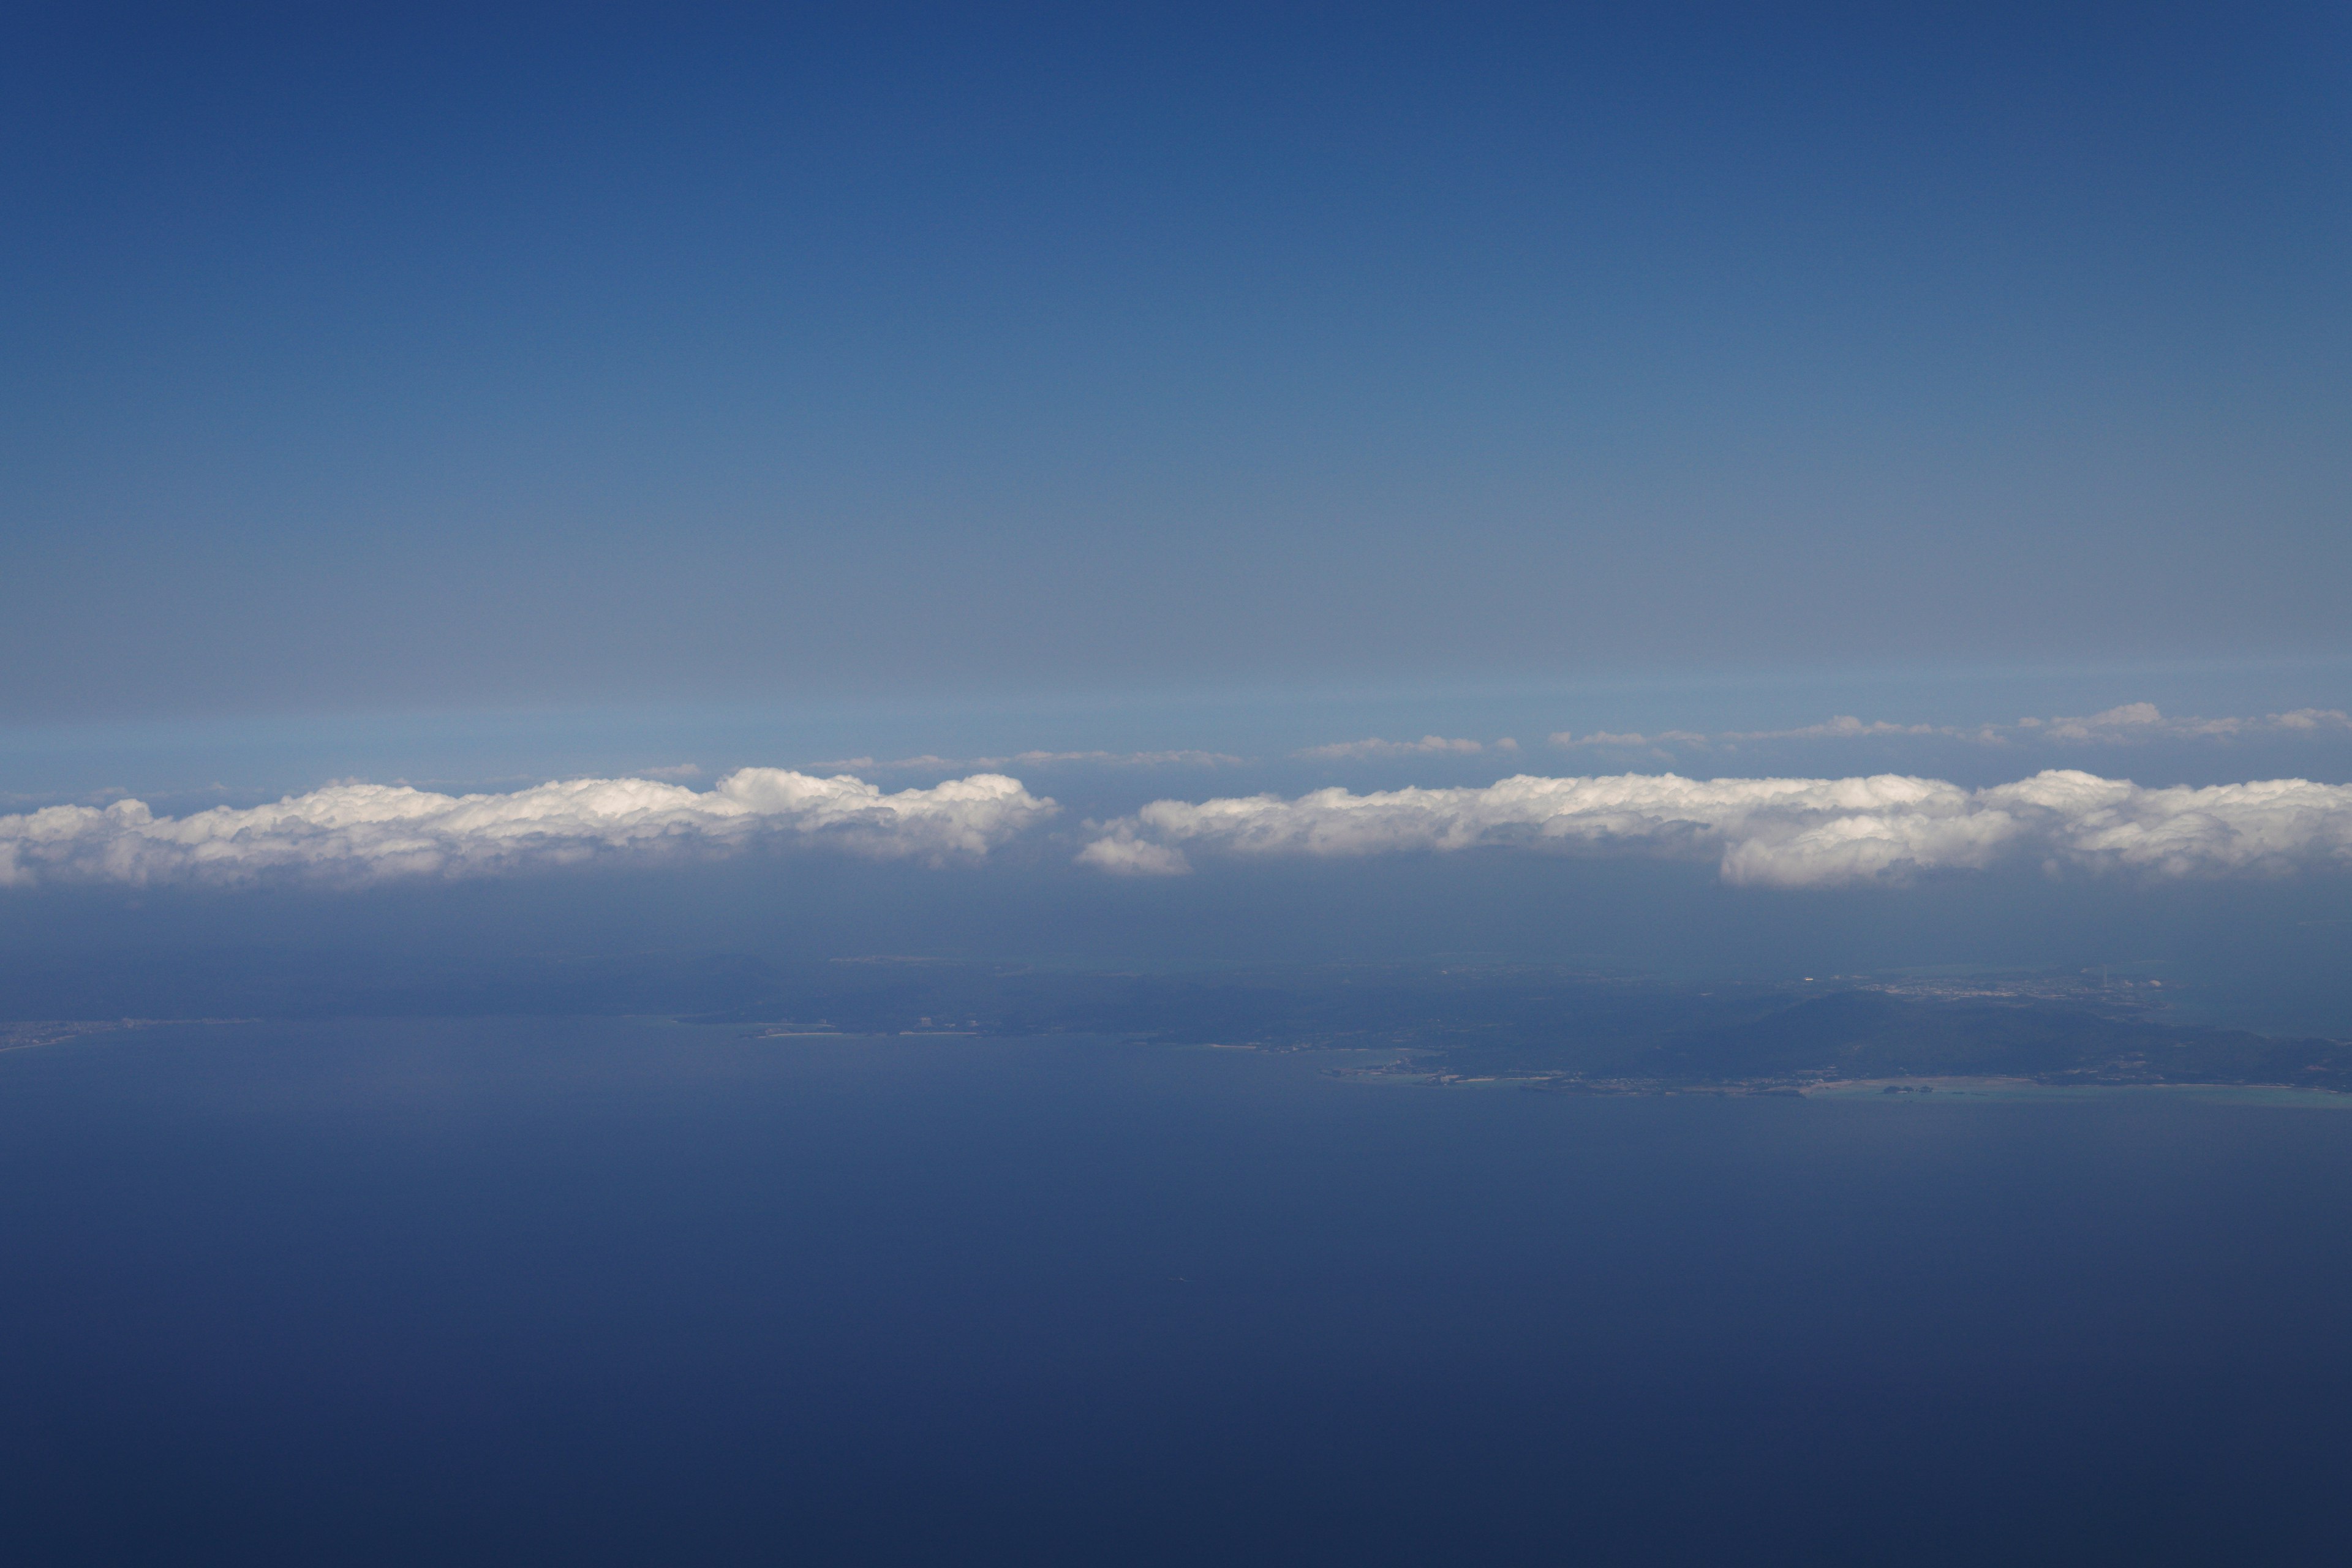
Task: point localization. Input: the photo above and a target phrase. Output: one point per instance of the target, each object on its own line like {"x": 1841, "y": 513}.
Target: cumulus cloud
{"x": 1776, "y": 832}
{"x": 1122, "y": 854}
{"x": 1427, "y": 746}
{"x": 363, "y": 832}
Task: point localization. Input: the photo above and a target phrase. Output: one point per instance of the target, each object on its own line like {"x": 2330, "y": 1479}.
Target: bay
{"x": 631, "y": 1291}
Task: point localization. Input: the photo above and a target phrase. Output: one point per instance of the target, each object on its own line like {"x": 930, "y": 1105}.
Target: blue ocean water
{"x": 624, "y": 1291}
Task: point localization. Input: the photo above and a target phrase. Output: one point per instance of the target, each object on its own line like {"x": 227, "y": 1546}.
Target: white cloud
{"x": 1427, "y": 746}
{"x": 363, "y": 832}
{"x": 1777, "y": 832}
{"x": 1567, "y": 738}
{"x": 1177, "y": 759}
{"x": 2132, "y": 722}
{"x": 1846, "y": 727}
{"x": 927, "y": 763}
{"x": 1124, "y": 855}
{"x": 2142, "y": 721}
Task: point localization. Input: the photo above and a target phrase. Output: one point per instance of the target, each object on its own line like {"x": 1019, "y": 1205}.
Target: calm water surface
{"x": 611, "y": 1291}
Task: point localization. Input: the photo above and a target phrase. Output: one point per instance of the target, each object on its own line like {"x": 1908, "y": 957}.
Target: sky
{"x": 1158, "y": 408}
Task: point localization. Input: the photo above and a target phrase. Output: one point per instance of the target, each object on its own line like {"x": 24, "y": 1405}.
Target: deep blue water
{"x": 618, "y": 1292}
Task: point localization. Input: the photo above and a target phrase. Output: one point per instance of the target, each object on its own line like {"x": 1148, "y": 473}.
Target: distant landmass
{"x": 1873, "y": 1035}
{"x": 1545, "y": 1026}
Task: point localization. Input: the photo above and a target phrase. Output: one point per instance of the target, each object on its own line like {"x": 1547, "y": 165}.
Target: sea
{"x": 638, "y": 1291}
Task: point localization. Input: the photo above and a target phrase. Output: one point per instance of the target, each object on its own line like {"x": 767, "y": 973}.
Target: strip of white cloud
{"x": 2142, "y": 721}
{"x": 361, "y": 832}
{"x": 1427, "y": 746}
{"x": 1846, "y": 727}
{"x": 1776, "y": 832}
{"x": 1567, "y": 738}
{"x": 929, "y": 763}
{"x": 2133, "y": 722}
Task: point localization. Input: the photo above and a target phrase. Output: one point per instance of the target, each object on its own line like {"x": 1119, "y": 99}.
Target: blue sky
{"x": 361, "y": 362}
{"x": 1180, "y": 404}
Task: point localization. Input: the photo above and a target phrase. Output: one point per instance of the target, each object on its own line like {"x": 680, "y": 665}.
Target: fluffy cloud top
{"x": 1777, "y": 832}
{"x": 357, "y": 832}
